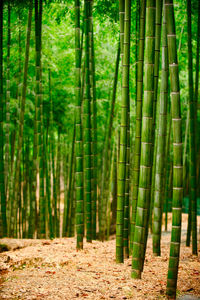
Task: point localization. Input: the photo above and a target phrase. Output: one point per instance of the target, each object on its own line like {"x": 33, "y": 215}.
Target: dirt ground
{"x": 43, "y": 269}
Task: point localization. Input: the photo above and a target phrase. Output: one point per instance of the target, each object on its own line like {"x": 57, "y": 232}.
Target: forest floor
{"x": 44, "y": 269}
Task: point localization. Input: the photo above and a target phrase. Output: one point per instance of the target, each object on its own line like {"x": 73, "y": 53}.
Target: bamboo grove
{"x": 99, "y": 123}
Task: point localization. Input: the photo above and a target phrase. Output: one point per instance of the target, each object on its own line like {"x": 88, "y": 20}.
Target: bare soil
{"x": 43, "y": 269}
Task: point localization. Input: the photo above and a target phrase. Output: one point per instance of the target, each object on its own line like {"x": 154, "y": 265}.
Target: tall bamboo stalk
{"x": 2, "y": 181}
{"x": 70, "y": 187}
{"x": 177, "y": 151}
{"x": 48, "y": 182}
{"x": 192, "y": 109}
{"x": 107, "y": 153}
{"x": 58, "y": 172}
{"x": 93, "y": 119}
{"x": 17, "y": 185}
{"x": 161, "y": 148}
{"x": 146, "y": 144}
{"x": 137, "y": 146}
{"x": 197, "y": 86}
{"x": 125, "y": 88}
{"x": 78, "y": 140}
{"x": 51, "y": 154}
{"x": 159, "y": 5}
{"x": 122, "y": 153}
{"x": 7, "y": 139}
{"x": 42, "y": 206}
{"x": 87, "y": 154}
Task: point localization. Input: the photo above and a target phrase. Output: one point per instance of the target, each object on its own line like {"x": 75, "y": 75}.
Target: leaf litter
{"x": 43, "y": 269}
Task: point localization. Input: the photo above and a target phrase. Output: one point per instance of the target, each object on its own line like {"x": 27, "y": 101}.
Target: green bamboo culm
{"x": 78, "y": 138}
{"x": 48, "y": 161}
{"x": 197, "y": 58}
{"x": 7, "y": 139}
{"x": 107, "y": 153}
{"x": 122, "y": 154}
{"x": 146, "y": 144}
{"x": 125, "y": 91}
{"x": 26, "y": 190}
{"x": 87, "y": 154}
{"x": 51, "y": 156}
{"x": 2, "y": 182}
{"x": 197, "y": 82}
{"x": 121, "y": 23}
{"x": 33, "y": 206}
{"x": 137, "y": 146}
{"x": 167, "y": 171}
{"x": 42, "y": 210}
{"x": 65, "y": 178}
{"x": 159, "y": 6}
{"x": 93, "y": 119}
{"x": 58, "y": 171}
{"x": 192, "y": 139}
{"x": 21, "y": 128}
{"x": 177, "y": 151}
{"x": 48, "y": 183}
{"x": 68, "y": 208}
{"x": 158, "y": 21}
{"x": 71, "y": 228}
{"x": 90, "y": 40}
{"x": 161, "y": 146}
